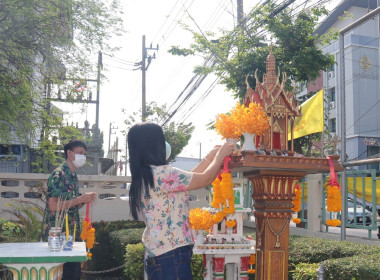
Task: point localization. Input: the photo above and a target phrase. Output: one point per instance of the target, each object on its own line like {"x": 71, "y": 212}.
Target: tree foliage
{"x": 237, "y": 53}
{"x": 176, "y": 134}
{"x": 45, "y": 44}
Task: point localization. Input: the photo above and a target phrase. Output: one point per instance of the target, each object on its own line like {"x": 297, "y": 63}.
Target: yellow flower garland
{"x": 297, "y": 202}
{"x": 88, "y": 235}
{"x": 297, "y": 199}
{"x": 227, "y": 192}
{"x": 252, "y": 261}
{"x": 218, "y": 200}
{"x": 296, "y": 220}
{"x": 334, "y": 196}
{"x": 200, "y": 219}
{"x": 231, "y": 223}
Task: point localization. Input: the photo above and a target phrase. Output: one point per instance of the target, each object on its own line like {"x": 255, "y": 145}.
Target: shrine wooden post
{"x": 273, "y": 179}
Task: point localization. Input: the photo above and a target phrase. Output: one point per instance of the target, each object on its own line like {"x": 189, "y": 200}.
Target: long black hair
{"x": 146, "y": 144}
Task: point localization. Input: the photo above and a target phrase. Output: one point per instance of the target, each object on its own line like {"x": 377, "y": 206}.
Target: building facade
{"x": 362, "y": 91}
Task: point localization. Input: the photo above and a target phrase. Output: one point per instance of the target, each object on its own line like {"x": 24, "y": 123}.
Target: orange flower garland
{"x": 297, "y": 202}
{"x": 296, "y": 220}
{"x": 334, "y": 197}
{"x": 227, "y": 192}
{"x": 200, "y": 219}
{"x": 231, "y": 223}
{"x": 252, "y": 261}
{"x": 218, "y": 200}
{"x": 224, "y": 194}
{"x": 88, "y": 232}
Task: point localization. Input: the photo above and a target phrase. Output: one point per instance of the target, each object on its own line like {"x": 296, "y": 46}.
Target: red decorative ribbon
{"x": 333, "y": 175}
{"x": 225, "y": 164}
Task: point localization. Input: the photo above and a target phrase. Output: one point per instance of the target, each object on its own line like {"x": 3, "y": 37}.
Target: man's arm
{"x": 53, "y": 202}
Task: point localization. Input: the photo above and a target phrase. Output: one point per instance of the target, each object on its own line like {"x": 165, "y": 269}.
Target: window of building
{"x": 371, "y": 152}
{"x": 331, "y": 94}
{"x": 332, "y": 125}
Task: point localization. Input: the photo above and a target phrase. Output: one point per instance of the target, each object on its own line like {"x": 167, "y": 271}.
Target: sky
{"x": 167, "y": 75}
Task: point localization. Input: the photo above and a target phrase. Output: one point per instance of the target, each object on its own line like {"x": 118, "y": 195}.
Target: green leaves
{"x": 241, "y": 51}
{"x": 45, "y": 43}
{"x": 176, "y": 134}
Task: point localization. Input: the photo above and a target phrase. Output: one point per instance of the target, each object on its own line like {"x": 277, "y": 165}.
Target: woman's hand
{"x": 225, "y": 150}
{"x": 211, "y": 155}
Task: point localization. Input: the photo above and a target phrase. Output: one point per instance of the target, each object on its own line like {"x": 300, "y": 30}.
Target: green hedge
{"x": 315, "y": 250}
{"x": 340, "y": 259}
{"x": 121, "y": 238}
{"x": 363, "y": 267}
{"x": 134, "y": 262}
{"x": 103, "y": 257}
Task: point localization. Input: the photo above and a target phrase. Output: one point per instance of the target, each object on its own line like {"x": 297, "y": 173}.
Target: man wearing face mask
{"x": 63, "y": 191}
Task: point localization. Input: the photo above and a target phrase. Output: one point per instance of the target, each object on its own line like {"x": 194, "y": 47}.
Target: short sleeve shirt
{"x": 166, "y": 211}
{"x": 63, "y": 184}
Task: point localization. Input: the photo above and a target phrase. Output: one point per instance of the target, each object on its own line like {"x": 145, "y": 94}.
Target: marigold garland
{"x": 334, "y": 196}
{"x": 200, "y": 219}
{"x": 333, "y": 223}
{"x": 296, "y": 220}
{"x": 218, "y": 200}
{"x": 88, "y": 232}
{"x": 230, "y": 223}
{"x": 297, "y": 202}
{"x": 297, "y": 199}
{"x": 88, "y": 235}
{"x": 252, "y": 261}
{"x": 223, "y": 194}
{"x": 227, "y": 192}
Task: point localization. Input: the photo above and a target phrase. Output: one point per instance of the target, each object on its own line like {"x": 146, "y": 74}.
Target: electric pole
{"x": 109, "y": 138}
{"x": 96, "y": 154}
{"x": 240, "y": 11}
{"x": 144, "y": 68}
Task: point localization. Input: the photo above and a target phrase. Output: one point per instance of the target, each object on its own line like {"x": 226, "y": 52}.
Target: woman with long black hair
{"x": 160, "y": 193}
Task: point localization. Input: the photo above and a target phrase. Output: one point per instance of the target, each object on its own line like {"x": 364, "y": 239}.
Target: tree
{"x": 44, "y": 45}
{"x": 241, "y": 51}
{"x": 176, "y": 134}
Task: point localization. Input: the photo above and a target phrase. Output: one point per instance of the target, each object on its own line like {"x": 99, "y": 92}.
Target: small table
{"x": 34, "y": 261}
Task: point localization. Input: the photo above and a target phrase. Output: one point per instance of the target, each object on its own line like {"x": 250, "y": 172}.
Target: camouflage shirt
{"x": 63, "y": 184}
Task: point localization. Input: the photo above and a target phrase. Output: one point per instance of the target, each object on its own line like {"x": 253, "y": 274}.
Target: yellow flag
{"x": 311, "y": 120}
{"x": 367, "y": 188}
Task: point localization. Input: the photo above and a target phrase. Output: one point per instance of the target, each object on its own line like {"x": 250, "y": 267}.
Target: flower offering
{"x": 200, "y": 219}
{"x": 334, "y": 197}
{"x": 88, "y": 232}
{"x": 254, "y": 119}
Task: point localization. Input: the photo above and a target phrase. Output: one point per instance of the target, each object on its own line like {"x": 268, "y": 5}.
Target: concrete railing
{"x": 112, "y": 202}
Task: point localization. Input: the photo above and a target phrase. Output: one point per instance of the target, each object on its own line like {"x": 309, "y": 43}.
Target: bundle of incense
{"x": 61, "y": 212}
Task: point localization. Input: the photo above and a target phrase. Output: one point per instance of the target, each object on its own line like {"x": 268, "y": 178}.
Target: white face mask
{"x": 168, "y": 150}
{"x": 79, "y": 161}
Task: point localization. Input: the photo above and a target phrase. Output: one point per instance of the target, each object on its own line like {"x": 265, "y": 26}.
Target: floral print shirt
{"x": 166, "y": 211}
{"x": 63, "y": 184}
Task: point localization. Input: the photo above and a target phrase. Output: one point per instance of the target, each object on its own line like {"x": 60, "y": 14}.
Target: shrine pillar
{"x": 273, "y": 192}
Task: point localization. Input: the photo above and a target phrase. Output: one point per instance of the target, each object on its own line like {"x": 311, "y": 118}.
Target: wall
{"x": 112, "y": 193}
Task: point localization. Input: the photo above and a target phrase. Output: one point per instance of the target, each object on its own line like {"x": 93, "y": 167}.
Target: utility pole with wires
{"x": 144, "y": 68}
{"x": 109, "y": 137}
